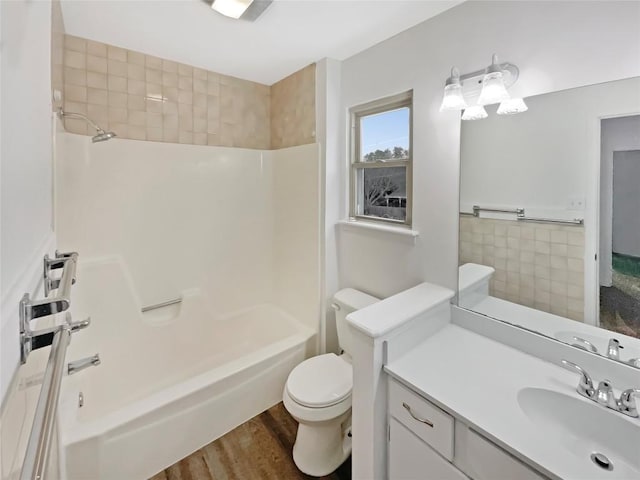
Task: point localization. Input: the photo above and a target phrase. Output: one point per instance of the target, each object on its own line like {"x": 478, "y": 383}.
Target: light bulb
{"x": 512, "y": 106}
{"x": 493, "y": 89}
{"x": 474, "y": 112}
{"x": 453, "y": 98}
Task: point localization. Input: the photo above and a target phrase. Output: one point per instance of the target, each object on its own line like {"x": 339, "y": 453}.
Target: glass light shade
{"x": 493, "y": 89}
{"x": 475, "y": 112}
{"x": 453, "y": 98}
{"x": 512, "y": 106}
{"x": 231, "y": 8}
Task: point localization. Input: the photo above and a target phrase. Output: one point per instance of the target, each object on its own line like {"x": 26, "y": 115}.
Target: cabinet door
{"x": 412, "y": 459}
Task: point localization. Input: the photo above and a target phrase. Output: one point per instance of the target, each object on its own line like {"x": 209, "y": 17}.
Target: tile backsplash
{"x": 142, "y": 97}
{"x": 293, "y": 101}
{"x": 536, "y": 265}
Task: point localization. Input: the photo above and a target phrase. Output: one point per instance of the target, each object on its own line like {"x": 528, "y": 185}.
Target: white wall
{"x": 25, "y": 158}
{"x": 617, "y": 134}
{"x": 557, "y": 45}
{"x": 328, "y": 108}
{"x": 536, "y": 160}
{"x": 626, "y": 202}
{"x": 25, "y": 208}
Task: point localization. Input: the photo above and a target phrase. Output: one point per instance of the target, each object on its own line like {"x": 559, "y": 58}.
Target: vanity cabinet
{"x": 427, "y": 442}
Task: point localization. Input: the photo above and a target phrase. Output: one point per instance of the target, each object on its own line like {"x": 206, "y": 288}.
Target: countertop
{"x": 477, "y": 380}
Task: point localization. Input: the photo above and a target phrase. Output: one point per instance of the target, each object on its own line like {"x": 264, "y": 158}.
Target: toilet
{"x": 318, "y": 396}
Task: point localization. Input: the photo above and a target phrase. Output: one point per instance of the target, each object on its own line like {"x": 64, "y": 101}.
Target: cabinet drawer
{"x": 486, "y": 461}
{"x": 423, "y": 418}
{"x": 412, "y": 459}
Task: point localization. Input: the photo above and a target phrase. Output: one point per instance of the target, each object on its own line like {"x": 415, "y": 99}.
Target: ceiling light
{"x": 512, "y": 106}
{"x": 493, "y": 88}
{"x": 474, "y": 112}
{"x": 453, "y": 98}
{"x": 231, "y": 8}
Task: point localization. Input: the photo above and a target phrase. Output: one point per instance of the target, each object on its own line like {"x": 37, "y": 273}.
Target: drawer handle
{"x": 421, "y": 420}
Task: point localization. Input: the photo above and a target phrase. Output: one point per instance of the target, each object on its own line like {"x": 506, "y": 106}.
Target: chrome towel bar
{"x": 161, "y": 304}
{"x": 477, "y": 209}
{"x": 40, "y": 439}
{"x": 30, "y": 309}
{"x": 575, "y": 221}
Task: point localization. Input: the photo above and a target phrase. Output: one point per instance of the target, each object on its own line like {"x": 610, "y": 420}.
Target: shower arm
{"x": 63, "y": 114}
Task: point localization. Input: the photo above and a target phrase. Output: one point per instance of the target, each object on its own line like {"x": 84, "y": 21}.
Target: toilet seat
{"x": 320, "y": 381}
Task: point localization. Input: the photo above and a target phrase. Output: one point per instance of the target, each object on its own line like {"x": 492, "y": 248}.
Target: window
{"x": 381, "y": 153}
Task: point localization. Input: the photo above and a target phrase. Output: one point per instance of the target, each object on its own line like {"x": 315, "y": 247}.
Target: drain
{"x": 602, "y": 461}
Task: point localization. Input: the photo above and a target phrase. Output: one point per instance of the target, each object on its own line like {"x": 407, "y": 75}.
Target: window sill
{"x": 360, "y": 225}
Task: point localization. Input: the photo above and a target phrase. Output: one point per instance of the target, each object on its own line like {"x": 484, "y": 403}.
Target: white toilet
{"x": 318, "y": 395}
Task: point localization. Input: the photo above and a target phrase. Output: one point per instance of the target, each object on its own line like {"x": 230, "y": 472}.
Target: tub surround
{"x": 145, "y": 410}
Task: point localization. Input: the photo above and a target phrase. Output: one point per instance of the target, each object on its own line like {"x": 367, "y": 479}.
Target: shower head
{"x": 100, "y": 136}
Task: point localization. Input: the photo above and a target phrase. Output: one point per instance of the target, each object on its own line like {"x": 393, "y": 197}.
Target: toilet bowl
{"x": 318, "y": 396}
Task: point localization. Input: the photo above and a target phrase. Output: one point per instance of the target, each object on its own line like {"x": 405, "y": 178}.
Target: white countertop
{"x": 477, "y": 380}
{"x": 392, "y": 312}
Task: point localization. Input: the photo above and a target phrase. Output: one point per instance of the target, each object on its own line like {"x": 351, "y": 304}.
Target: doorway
{"x": 619, "y": 281}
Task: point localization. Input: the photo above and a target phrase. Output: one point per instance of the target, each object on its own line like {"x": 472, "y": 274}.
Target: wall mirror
{"x": 550, "y": 217}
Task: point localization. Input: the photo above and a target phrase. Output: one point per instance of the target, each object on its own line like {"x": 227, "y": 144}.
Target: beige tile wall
{"x": 143, "y": 97}
{"x": 537, "y": 265}
{"x": 293, "y": 109}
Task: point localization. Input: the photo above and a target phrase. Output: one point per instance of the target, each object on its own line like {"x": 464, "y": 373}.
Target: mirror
{"x": 550, "y": 217}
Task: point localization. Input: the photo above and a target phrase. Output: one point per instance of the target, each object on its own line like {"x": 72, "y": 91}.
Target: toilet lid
{"x": 320, "y": 381}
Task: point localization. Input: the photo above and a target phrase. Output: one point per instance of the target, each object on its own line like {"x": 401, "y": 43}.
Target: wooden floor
{"x": 258, "y": 449}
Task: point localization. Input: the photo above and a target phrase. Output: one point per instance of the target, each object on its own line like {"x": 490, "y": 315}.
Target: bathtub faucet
{"x": 78, "y": 365}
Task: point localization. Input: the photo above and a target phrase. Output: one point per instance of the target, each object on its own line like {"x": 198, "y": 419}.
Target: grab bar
{"x": 575, "y": 221}
{"x": 477, "y": 209}
{"x": 161, "y": 304}
{"x": 30, "y": 309}
{"x": 37, "y": 453}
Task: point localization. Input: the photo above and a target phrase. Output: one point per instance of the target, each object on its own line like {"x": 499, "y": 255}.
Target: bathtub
{"x": 171, "y": 380}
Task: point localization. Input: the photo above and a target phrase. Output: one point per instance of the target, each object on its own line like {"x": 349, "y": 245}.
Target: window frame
{"x": 394, "y": 102}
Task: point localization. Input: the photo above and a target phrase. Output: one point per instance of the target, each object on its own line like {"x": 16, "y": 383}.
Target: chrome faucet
{"x": 79, "y": 365}
{"x": 613, "y": 349}
{"x": 604, "y": 395}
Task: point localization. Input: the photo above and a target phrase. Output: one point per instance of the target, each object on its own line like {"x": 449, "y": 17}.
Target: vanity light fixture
{"x": 453, "y": 98}
{"x": 512, "y": 106}
{"x": 474, "y": 112}
{"x": 488, "y": 85}
{"x": 240, "y": 9}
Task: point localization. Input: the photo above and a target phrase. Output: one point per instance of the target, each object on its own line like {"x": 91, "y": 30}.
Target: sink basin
{"x": 582, "y": 428}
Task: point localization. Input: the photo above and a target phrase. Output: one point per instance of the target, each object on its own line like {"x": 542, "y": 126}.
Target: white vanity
{"x": 457, "y": 396}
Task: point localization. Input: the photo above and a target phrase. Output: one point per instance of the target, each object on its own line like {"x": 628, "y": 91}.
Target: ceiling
{"x": 288, "y": 36}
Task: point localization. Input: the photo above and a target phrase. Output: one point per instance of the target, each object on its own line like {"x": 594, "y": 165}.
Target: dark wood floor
{"x": 258, "y": 449}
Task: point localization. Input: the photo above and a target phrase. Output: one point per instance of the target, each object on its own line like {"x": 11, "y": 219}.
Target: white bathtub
{"x": 171, "y": 380}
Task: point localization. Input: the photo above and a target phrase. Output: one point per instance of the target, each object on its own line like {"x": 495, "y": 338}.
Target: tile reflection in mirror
{"x": 545, "y": 276}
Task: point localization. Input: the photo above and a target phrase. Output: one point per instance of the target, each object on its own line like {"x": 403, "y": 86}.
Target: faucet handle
{"x": 627, "y": 404}
{"x": 613, "y": 349}
{"x": 585, "y": 386}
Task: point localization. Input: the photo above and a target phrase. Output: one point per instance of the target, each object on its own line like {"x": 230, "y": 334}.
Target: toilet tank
{"x": 345, "y": 302}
